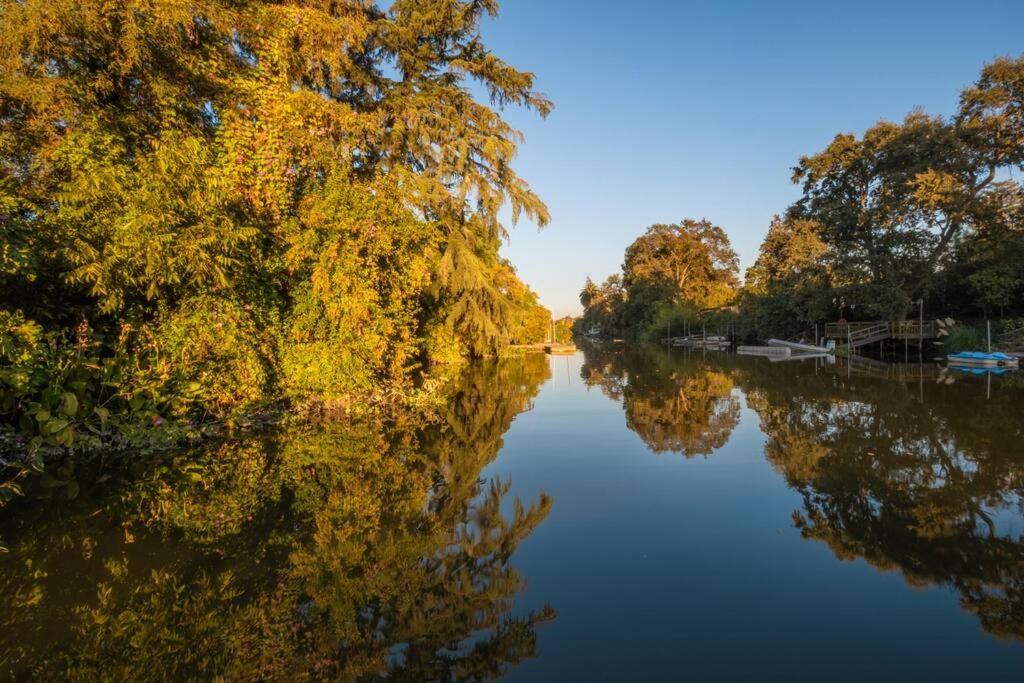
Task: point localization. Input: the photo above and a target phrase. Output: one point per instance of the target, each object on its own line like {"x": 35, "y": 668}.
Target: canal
{"x": 621, "y": 514}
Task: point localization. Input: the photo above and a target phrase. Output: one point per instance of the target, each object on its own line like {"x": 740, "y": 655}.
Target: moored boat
{"x": 560, "y": 349}
{"x": 983, "y": 360}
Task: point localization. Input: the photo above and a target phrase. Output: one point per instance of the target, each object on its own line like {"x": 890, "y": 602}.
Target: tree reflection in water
{"x": 348, "y": 552}
{"x": 927, "y": 479}
{"x": 677, "y": 402}
{"x": 375, "y": 550}
{"x": 924, "y": 478}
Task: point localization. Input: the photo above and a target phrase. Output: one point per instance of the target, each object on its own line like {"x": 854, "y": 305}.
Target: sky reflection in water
{"x": 682, "y": 515}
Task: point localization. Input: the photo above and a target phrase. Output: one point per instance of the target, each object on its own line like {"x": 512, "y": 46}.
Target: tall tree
{"x": 787, "y": 289}
{"x": 792, "y": 250}
{"x": 689, "y": 262}
{"x": 603, "y": 306}
{"x": 324, "y": 168}
{"x": 893, "y": 202}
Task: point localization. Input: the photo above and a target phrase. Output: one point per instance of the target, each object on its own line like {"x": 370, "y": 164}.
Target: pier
{"x": 856, "y": 335}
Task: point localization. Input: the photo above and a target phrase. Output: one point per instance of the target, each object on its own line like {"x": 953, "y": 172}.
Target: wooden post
{"x": 920, "y": 327}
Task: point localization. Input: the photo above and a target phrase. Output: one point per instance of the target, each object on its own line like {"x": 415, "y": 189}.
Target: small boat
{"x": 976, "y": 359}
{"x": 560, "y": 349}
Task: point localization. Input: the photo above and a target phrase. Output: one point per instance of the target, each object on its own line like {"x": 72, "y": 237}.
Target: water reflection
{"x": 907, "y": 467}
{"x": 677, "y": 403}
{"x": 348, "y": 552}
{"x": 380, "y": 551}
{"x": 924, "y": 478}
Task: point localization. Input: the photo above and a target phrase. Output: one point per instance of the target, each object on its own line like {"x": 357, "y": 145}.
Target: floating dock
{"x": 709, "y": 342}
{"x": 796, "y": 346}
{"x": 770, "y": 351}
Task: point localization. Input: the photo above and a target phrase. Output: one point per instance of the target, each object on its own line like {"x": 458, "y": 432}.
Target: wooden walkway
{"x": 856, "y": 335}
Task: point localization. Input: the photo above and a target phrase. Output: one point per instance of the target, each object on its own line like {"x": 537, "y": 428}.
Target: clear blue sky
{"x": 671, "y": 109}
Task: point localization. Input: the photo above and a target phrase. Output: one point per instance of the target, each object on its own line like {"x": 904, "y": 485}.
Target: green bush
{"x": 964, "y": 338}
{"x": 1006, "y": 325}
{"x": 59, "y": 391}
{"x": 63, "y": 395}
{"x": 222, "y": 353}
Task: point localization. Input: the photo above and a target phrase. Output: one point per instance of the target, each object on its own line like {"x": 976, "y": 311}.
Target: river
{"x": 627, "y": 513}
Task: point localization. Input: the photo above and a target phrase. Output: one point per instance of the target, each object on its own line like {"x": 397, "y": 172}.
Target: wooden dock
{"x": 856, "y": 335}
{"x": 699, "y": 341}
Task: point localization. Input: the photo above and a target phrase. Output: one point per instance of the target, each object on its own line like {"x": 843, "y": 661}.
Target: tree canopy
{"x": 310, "y": 188}
{"x": 926, "y": 207}
{"x": 689, "y": 264}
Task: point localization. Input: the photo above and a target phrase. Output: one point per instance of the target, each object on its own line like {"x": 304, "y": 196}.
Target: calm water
{"x": 624, "y": 514}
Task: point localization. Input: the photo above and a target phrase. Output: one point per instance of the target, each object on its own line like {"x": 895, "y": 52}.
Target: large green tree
{"x": 787, "y": 289}
{"x": 893, "y": 202}
{"x": 690, "y": 262}
{"x": 925, "y": 208}
{"x": 603, "y": 306}
{"x": 318, "y": 177}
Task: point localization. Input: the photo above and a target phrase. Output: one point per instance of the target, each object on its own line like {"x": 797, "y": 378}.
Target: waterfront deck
{"x": 855, "y": 335}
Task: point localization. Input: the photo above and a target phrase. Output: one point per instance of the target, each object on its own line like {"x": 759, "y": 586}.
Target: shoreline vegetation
{"x": 924, "y": 210}
{"x": 215, "y": 213}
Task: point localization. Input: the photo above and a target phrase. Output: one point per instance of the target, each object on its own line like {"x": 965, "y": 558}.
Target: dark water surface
{"x": 682, "y": 516}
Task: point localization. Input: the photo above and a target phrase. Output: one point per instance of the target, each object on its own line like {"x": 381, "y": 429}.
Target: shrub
{"x": 964, "y": 338}
{"x": 64, "y": 394}
{"x": 223, "y": 353}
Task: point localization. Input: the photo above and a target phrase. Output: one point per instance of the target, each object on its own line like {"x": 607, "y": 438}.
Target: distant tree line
{"x": 929, "y": 208}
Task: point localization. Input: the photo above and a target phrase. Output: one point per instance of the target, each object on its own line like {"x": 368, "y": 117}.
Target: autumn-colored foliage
{"x": 282, "y": 200}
